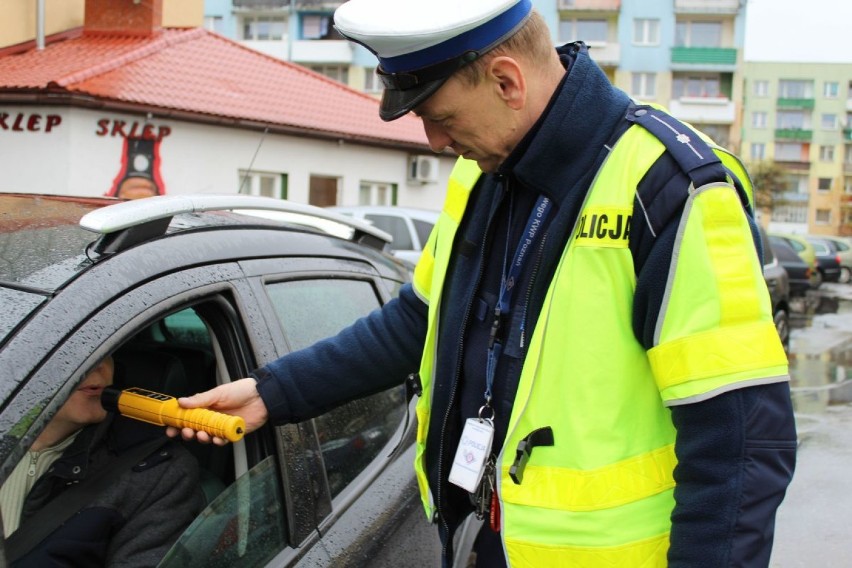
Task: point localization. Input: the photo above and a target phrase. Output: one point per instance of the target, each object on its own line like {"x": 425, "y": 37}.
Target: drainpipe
{"x": 40, "y": 24}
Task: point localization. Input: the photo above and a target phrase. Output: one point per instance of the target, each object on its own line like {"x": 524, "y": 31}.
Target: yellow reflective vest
{"x": 602, "y": 494}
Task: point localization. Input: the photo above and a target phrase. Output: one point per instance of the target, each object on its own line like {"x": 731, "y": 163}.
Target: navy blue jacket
{"x": 736, "y": 451}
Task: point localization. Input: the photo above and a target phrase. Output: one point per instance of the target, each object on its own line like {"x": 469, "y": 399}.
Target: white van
{"x": 409, "y": 227}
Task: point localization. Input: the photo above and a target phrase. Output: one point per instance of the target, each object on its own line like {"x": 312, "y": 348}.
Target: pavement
{"x": 814, "y": 523}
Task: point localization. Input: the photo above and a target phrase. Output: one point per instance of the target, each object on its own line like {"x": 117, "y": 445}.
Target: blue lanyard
{"x": 532, "y": 234}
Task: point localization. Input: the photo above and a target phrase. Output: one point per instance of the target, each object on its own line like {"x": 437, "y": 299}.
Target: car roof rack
{"x": 131, "y": 222}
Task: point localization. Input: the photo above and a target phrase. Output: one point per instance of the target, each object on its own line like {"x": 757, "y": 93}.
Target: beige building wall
{"x": 18, "y": 23}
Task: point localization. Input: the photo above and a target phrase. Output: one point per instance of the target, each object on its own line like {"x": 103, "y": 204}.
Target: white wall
{"x": 82, "y": 155}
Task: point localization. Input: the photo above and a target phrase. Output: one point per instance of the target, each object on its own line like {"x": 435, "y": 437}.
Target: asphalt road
{"x": 814, "y": 523}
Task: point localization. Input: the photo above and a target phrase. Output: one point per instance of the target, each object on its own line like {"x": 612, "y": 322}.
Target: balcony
{"x": 791, "y": 197}
{"x": 846, "y": 200}
{"x": 591, "y": 5}
{"x": 704, "y": 59}
{"x": 795, "y": 134}
{"x": 707, "y": 6}
{"x": 277, "y": 49}
{"x": 605, "y": 54}
{"x": 788, "y": 103}
{"x": 321, "y": 5}
{"x": 704, "y": 110}
{"x": 322, "y": 51}
{"x": 272, "y": 5}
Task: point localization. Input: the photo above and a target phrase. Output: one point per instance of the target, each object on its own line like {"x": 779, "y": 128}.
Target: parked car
{"x": 828, "y": 261}
{"x": 800, "y": 275}
{"x": 409, "y": 227}
{"x": 778, "y": 284}
{"x": 186, "y": 292}
{"x": 843, "y": 248}
{"x": 805, "y": 250}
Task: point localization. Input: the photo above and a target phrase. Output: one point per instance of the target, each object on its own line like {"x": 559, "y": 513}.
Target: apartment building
{"x": 799, "y": 116}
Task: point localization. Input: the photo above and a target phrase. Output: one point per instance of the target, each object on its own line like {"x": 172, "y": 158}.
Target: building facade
{"x": 799, "y": 116}
{"x": 123, "y": 105}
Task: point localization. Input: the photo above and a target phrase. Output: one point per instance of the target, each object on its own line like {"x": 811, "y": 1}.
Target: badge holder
{"x": 472, "y": 453}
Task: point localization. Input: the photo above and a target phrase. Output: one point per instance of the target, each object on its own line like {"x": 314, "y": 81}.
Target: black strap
{"x": 695, "y": 157}
{"x": 540, "y": 437}
{"x": 55, "y": 513}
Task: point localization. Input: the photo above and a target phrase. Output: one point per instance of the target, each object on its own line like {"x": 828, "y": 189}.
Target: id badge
{"x": 474, "y": 448}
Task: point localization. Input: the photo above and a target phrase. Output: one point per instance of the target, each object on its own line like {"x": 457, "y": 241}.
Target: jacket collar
{"x": 587, "y": 106}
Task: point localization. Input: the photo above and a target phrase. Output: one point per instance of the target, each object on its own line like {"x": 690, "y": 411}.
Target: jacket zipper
{"x": 443, "y": 521}
{"x": 528, "y": 295}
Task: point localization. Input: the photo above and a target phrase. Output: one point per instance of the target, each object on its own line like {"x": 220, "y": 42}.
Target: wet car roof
{"x": 41, "y": 243}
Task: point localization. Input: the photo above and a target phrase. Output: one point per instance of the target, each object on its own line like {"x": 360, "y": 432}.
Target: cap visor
{"x": 396, "y": 103}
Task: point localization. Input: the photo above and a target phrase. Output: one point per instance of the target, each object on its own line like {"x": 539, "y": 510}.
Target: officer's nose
{"x": 437, "y": 136}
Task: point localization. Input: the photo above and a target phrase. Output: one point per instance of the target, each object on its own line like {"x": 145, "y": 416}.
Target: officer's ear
{"x": 508, "y": 80}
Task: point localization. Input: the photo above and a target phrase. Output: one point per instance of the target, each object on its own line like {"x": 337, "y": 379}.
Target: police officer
{"x": 601, "y": 378}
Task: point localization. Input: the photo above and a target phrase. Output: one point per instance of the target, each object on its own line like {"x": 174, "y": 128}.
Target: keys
{"x": 485, "y": 491}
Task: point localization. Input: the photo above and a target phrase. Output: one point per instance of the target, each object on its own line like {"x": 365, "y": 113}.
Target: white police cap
{"x": 421, "y": 43}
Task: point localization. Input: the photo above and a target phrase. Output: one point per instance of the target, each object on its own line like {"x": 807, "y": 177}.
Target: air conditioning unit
{"x": 423, "y": 169}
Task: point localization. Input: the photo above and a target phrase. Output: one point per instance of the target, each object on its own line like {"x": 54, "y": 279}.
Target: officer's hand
{"x": 239, "y": 398}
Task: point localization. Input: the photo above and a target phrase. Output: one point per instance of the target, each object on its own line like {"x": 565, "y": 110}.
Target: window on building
{"x": 319, "y": 26}
{"x": 796, "y": 119}
{"x": 758, "y": 119}
{"x": 264, "y": 28}
{"x": 372, "y": 83}
{"x": 323, "y": 191}
{"x": 377, "y": 193}
{"x": 761, "y": 88}
{"x": 758, "y": 151}
{"x": 706, "y": 85}
{"x": 790, "y": 152}
{"x": 590, "y": 31}
{"x": 795, "y": 89}
{"x": 831, "y": 89}
{"x": 847, "y": 185}
{"x": 822, "y": 217}
{"x": 719, "y": 133}
{"x": 264, "y": 184}
{"x": 698, "y": 34}
{"x": 828, "y": 121}
{"x": 826, "y": 153}
{"x": 644, "y": 85}
{"x": 790, "y": 213}
{"x": 824, "y": 184}
{"x": 339, "y": 73}
{"x": 646, "y": 31}
{"x": 847, "y": 155}
{"x": 796, "y": 183}
{"x": 214, "y": 24}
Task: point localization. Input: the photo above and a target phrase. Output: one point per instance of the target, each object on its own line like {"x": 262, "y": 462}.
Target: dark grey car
{"x": 185, "y": 297}
{"x": 778, "y": 283}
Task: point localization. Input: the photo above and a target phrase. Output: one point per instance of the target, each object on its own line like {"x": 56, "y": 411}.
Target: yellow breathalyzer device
{"x": 164, "y": 410}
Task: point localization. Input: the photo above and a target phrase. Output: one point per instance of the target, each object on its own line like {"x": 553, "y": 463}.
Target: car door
{"x": 367, "y": 503}
{"x": 177, "y": 334}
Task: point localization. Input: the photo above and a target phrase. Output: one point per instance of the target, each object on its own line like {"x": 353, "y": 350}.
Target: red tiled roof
{"x": 196, "y": 72}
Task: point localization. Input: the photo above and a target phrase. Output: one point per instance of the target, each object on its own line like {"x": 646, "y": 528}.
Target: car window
{"x": 242, "y": 527}
{"x": 821, "y": 248}
{"x": 841, "y": 246}
{"x": 423, "y": 229}
{"x": 352, "y": 435}
{"x": 397, "y": 228}
{"x": 797, "y": 246}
